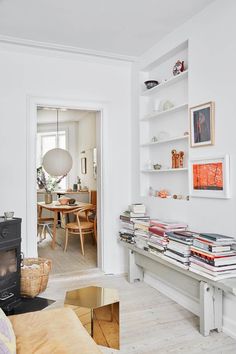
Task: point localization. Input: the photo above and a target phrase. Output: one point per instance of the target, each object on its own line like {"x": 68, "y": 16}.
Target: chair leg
{"x": 66, "y": 240}
{"x": 49, "y": 231}
{"x": 44, "y": 231}
{"x": 81, "y": 242}
{"x": 40, "y": 233}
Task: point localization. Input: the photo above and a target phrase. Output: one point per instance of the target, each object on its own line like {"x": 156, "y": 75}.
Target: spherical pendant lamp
{"x": 57, "y": 162}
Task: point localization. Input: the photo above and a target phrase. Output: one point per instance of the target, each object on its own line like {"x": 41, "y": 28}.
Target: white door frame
{"x": 31, "y": 185}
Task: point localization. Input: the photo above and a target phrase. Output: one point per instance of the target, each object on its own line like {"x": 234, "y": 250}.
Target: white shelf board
{"x": 182, "y": 137}
{"x": 158, "y": 114}
{"x": 167, "y": 83}
{"x": 166, "y": 170}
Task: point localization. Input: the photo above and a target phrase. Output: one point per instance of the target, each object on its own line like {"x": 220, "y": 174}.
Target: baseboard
{"x": 173, "y": 294}
{"x": 229, "y": 327}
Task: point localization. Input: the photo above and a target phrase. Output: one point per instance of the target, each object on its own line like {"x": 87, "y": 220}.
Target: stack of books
{"x": 179, "y": 247}
{"x": 141, "y": 232}
{"x": 127, "y": 229}
{"x": 158, "y": 234}
{"x": 134, "y": 226}
{"x": 213, "y": 256}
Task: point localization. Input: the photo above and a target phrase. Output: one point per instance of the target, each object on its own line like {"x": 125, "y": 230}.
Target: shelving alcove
{"x": 168, "y": 126}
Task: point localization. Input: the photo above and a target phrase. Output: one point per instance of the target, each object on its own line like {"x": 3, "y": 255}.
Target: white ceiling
{"x": 122, "y": 27}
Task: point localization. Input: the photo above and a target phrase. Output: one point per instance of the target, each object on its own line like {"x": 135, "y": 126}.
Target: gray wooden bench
{"x": 206, "y": 292}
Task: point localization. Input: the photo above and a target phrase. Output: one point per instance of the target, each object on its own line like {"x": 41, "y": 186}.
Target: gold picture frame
{"x": 202, "y": 124}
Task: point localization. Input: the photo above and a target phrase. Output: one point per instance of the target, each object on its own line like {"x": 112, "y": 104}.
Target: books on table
{"x": 178, "y": 247}
{"x": 208, "y": 254}
{"x": 213, "y": 256}
{"x": 135, "y": 226}
{"x": 137, "y": 208}
{"x": 158, "y": 233}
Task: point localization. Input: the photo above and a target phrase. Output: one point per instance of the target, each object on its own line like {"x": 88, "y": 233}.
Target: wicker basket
{"x": 34, "y": 280}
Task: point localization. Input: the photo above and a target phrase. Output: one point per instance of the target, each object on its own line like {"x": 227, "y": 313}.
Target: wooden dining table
{"x": 56, "y": 208}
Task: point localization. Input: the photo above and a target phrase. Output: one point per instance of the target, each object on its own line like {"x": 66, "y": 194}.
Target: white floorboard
{"x": 72, "y": 260}
{"x": 151, "y": 323}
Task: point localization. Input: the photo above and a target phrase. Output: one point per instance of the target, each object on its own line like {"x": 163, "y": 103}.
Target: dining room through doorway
{"x": 75, "y": 131}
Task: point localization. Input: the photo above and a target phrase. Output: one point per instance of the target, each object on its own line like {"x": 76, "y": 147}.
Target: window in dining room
{"x": 47, "y": 141}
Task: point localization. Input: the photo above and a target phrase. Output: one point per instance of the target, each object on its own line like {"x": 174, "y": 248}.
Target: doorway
{"x": 87, "y": 168}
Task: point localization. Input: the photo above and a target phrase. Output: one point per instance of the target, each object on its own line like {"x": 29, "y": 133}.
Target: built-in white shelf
{"x": 166, "y": 170}
{"x": 171, "y": 81}
{"x": 176, "y": 138}
{"x": 158, "y": 114}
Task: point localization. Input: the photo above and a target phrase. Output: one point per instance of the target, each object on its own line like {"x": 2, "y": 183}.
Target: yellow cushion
{"x": 7, "y": 336}
{"x": 57, "y": 331}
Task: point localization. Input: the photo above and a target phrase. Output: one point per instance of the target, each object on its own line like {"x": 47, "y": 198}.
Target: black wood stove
{"x": 10, "y": 262}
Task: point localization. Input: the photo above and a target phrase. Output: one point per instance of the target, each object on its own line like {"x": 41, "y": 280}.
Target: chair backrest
{"x": 83, "y": 210}
{"x": 93, "y": 197}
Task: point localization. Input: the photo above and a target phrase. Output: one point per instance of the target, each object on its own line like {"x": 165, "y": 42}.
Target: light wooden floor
{"x": 72, "y": 260}
{"x": 150, "y": 322}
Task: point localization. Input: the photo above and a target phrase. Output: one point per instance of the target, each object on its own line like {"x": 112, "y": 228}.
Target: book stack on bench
{"x": 158, "y": 241}
{"x": 213, "y": 256}
{"x": 134, "y": 225}
{"x": 179, "y": 247}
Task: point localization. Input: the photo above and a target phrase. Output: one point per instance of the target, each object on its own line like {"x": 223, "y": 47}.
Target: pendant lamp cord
{"x": 57, "y": 129}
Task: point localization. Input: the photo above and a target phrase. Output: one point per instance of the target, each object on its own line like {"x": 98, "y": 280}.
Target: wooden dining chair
{"x": 82, "y": 225}
{"x": 43, "y": 225}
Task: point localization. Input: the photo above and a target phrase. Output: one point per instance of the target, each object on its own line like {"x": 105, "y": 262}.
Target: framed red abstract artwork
{"x": 209, "y": 178}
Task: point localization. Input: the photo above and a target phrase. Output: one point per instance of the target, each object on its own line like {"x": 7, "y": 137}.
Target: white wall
{"x": 87, "y": 142}
{"x": 212, "y": 76}
{"x": 28, "y": 73}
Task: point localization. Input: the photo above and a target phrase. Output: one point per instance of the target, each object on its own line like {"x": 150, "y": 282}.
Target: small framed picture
{"x": 209, "y": 178}
{"x": 83, "y": 165}
{"x": 202, "y": 124}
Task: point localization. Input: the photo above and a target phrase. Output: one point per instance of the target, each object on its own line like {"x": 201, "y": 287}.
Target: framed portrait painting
{"x": 209, "y": 178}
{"x": 202, "y": 124}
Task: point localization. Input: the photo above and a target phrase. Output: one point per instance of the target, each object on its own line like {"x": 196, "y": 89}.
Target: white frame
{"x": 225, "y": 194}
{"x": 101, "y": 110}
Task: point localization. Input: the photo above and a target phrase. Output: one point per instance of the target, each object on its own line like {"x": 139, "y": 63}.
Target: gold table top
{"x": 91, "y": 297}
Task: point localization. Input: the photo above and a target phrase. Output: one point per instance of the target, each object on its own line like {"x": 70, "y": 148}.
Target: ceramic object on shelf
{"x": 177, "y": 159}
{"x": 166, "y": 105}
{"x": 163, "y": 193}
{"x": 150, "y": 84}
{"x": 178, "y": 67}
{"x": 157, "y": 166}
{"x": 154, "y": 139}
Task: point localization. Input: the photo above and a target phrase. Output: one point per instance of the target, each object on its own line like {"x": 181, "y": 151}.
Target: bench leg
{"x": 134, "y": 271}
{"x": 210, "y": 308}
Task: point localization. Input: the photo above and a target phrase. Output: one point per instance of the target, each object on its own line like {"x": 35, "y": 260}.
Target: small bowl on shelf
{"x": 150, "y": 84}
{"x": 157, "y": 166}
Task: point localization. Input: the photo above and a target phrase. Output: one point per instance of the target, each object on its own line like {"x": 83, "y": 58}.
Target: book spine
{"x": 204, "y": 260}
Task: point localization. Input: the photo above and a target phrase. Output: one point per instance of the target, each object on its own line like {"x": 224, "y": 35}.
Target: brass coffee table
{"x": 98, "y": 310}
